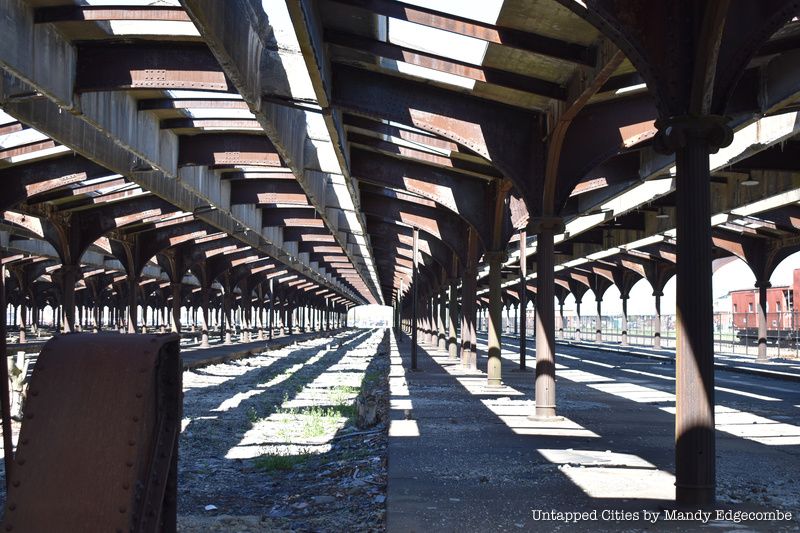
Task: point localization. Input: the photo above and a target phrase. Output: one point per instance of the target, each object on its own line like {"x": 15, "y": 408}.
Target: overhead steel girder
{"x": 481, "y": 74}
{"x": 510, "y": 138}
{"x": 211, "y": 149}
{"x": 427, "y": 244}
{"x": 72, "y": 13}
{"x": 437, "y": 222}
{"x": 238, "y": 34}
{"x": 291, "y": 216}
{"x": 599, "y": 132}
{"x": 92, "y": 125}
{"x": 508, "y": 37}
{"x": 148, "y": 65}
{"x": 268, "y": 192}
{"x": 71, "y": 234}
{"x": 468, "y": 198}
{"x": 21, "y": 182}
{"x": 465, "y": 167}
{"x": 735, "y": 36}
{"x": 761, "y": 254}
{"x": 149, "y": 243}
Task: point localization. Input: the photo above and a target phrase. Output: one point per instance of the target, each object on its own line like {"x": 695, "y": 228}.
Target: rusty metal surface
{"x": 98, "y": 444}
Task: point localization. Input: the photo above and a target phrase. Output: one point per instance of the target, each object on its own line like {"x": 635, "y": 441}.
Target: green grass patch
{"x": 273, "y": 463}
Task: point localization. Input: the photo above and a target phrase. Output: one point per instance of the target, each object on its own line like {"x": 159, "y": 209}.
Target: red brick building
{"x": 782, "y": 303}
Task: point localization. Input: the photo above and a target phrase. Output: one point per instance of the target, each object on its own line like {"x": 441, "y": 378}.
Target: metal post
{"x": 5, "y": 400}
{"x": 692, "y": 138}
{"x": 545, "y": 384}
{"x": 657, "y": 334}
{"x": 452, "y": 347}
{"x": 493, "y": 366}
{"x": 624, "y": 299}
{"x": 523, "y": 298}
{"x": 414, "y": 297}
{"x": 598, "y": 330}
{"x": 762, "y": 319}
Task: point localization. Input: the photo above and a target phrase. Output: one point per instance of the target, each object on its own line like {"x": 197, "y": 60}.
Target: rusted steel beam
{"x": 487, "y": 75}
{"x": 148, "y": 66}
{"x": 512, "y": 38}
{"x": 435, "y": 221}
{"x": 70, "y": 192}
{"x": 153, "y": 104}
{"x": 599, "y": 132}
{"x": 42, "y": 15}
{"x": 465, "y": 197}
{"x": 232, "y": 124}
{"x": 222, "y": 148}
{"x": 291, "y": 216}
{"x": 412, "y": 135}
{"x": 23, "y": 181}
{"x": 267, "y": 192}
{"x": 493, "y": 131}
{"x": 26, "y": 149}
{"x": 465, "y": 167}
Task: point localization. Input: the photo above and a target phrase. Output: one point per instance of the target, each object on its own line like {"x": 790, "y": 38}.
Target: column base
{"x": 493, "y": 383}
{"x": 545, "y": 413}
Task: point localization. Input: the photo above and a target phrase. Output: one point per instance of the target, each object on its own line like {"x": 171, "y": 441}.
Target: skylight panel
{"x": 437, "y": 42}
{"x": 487, "y": 11}
{"x": 153, "y": 27}
{"x": 427, "y": 73}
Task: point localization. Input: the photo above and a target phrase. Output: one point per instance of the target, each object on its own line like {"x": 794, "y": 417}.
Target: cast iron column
{"x": 657, "y": 332}
{"x": 624, "y": 320}
{"x": 176, "y": 307}
{"x": 493, "y": 367}
{"x": 414, "y": 297}
{"x": 442, "y": 335}
{"x": 692, "y": 138}
{"x": 523, "y": 298}
{"x": 545, "y": 383}
{"x": 452, "y": 344}
{"x": 598, "y": 328}
{"x": 762, "y": 319}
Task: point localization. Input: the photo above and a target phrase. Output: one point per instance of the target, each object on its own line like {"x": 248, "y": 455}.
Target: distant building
{"x": 782, "y": 306}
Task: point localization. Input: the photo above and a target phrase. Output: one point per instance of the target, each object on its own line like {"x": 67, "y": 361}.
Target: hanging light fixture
{"x": 750, "y": 181}
{"x": 662, "y": 213}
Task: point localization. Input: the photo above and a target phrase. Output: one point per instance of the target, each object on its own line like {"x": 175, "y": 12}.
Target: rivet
{"x": 126, "y": 485}
{"x": 122, "y": 509}
{"x": 15, "y": 483}
{"x": 29, "y": 416}
{"x": 34, "y": 393}
{"x": 138, "y": 394}
{"x": 135, "y": 418}
{"x": 20, "y": 462}
{"x": 131, "y": 442}
{"x": 129, "y": 464}
{"x": 12, "y": 506}
{"x": 9, "y": 527}
{"x": 25, "y": 441}
{"x": 142, "y": 370}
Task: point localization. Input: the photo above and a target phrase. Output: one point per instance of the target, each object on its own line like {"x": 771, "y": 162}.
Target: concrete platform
{"x": 466, "y": 458}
